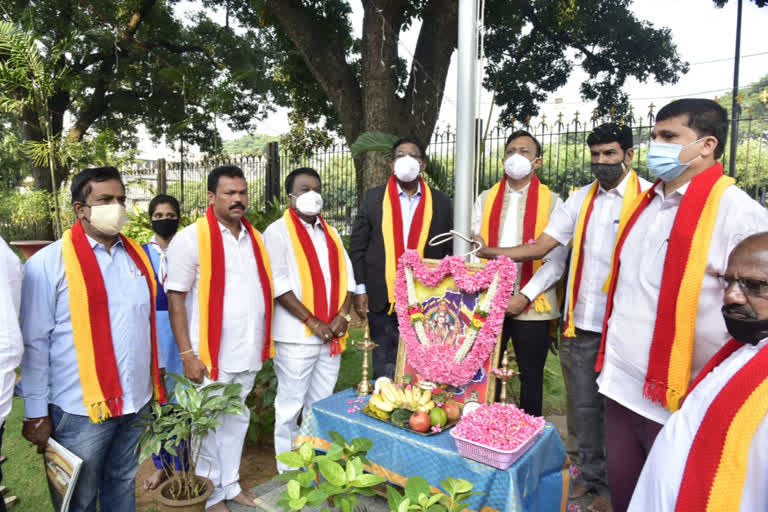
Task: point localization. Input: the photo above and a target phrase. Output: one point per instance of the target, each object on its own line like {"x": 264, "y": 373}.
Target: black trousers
{"x": 531, "y": 341}
{"x": 386, "y": 334}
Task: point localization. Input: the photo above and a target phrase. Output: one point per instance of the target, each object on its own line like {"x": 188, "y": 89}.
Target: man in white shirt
{"x": 303, "y": 248}
{"x": 612, "y": 193}
{"x": 527, "y": 324}
{"x": 243, "y": 324}
{"x": 687, "y": 140}
{"x": 11, "y": 345}
{"x": 714, "y": 450}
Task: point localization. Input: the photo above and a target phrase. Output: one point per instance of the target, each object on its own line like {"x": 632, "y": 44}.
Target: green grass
{"x": 23, "y": 472}
{"x": 24, "y": 475}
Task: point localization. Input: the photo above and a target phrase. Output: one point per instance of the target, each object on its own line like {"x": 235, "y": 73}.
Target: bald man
{"x": 714, "y": 450}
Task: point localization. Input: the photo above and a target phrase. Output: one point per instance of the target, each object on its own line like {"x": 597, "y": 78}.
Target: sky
{"x": 704, "y": 35}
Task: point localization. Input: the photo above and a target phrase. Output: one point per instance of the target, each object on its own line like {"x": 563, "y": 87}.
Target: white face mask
{"x": 108, "y": 219}
{"x": 309, "y": 203}
{"x": 407, "y": 168}
{"x": 517, "y": 166}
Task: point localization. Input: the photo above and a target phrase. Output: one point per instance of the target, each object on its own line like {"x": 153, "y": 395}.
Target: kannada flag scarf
{"x": 537, "y": 208}
{"x": 392, "y": 229}
{"x": 713, "y": 480}
{"x": 631, "y": 192}
{"x": 91, "y": 329}
{"x": 314, "y": 295}
{"x": 211, "y": 288}
{"x": 669, "y": 362}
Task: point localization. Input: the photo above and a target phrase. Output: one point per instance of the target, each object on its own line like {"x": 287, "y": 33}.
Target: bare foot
{"x": 245, "y": 499}
{"x": 219, "y": 507}
{"x": 600, "y": 504}
{"x": 154, "y": 480}
{"x": 577, "y": 491}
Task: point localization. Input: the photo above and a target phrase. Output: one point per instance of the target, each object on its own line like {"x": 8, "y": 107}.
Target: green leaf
{"x": 416, "y": 486}
{"x": 373, "y": 141}
{"x": 297, "y": 504}
{"x": 306, "y": 478}
{"x": 294, "y": 490}
{"x": 291, "y": 459}
{"x": 337, "y": 438}
{"x": 316, "y": 497}
{"x": 393, "y": 498}
{"x": 351, "y": 473}
{"x": 404, "y": 505}
{"x": 333, "y": 472}
{"x": 369, "y": 480}
{"x": 361, "y": 444}
{"x": 435, "y": 498}
{"x": 335, "y": 452}
{"x": 456, "y": 485}
{"x": 307, "y": 451}
{"x": 346, "y": 506}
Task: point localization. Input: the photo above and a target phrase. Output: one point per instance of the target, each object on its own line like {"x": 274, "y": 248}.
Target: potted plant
{"x": 191, "y": 413}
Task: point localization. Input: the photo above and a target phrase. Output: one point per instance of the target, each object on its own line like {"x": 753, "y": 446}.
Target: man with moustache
{"x": 314, "y": 283}
{"x": 711, "y": 454}
{"x": 590, "y": 217}
{"x": 220, "y": 303}
{"x": 510, "y": 213}
{"x": 403, "y": 214}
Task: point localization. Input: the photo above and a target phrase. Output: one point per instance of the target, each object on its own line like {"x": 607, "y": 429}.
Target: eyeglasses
{"x": 751, "y": 287}
{"x": 401, "y": 154}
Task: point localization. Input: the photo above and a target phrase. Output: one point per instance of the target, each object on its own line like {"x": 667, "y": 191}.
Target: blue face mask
{"x": 663, "y": 159}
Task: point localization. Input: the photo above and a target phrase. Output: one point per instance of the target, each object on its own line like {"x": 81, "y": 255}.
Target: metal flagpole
{"x": 734, "y": 101}
{"x": 465, "y": 123}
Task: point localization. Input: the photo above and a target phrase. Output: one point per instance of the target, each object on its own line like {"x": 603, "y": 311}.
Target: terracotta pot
{"x": 30, "y": 247}
{"x": 194, "y": 505}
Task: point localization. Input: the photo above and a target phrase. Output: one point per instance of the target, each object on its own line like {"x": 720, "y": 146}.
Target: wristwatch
{"x": 345, "y": 316}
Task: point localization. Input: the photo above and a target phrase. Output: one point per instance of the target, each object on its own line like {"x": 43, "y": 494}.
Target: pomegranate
{"x": 419, "y": 422}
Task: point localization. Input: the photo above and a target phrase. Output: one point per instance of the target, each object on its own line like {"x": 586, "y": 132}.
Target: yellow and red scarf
{"x": 713, "y": 480}
{"x": 314, "y": 295}
{"x": 211, "y": 288}
{"x": 671, "y": 352}
{"x": 631, "y": 192}
{"x": 392, "y": 229}
{"x": 537, "y": 208}
{"x": 91, "y": 329}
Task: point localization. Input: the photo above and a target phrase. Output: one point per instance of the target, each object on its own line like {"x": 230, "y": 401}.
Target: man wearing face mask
{"x": 590, "y": 217}
{"x": 90, "y": 360}
{"x": 219, "y": 289}
{"x": 662, "y": 311}
{"x": 164, "y": 213}
{"x": 403, "y": 214}
{"x": 514, "y": 211}
{"x": 314, "y": 283}
{"x": 711, "y": 454}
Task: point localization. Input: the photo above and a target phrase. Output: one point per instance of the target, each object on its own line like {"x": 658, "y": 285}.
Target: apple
{"x": 419, "y": 422}
{"x": 452, "y": 410}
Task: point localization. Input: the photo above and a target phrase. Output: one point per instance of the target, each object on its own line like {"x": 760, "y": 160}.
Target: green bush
{"x": 25, "y": 216}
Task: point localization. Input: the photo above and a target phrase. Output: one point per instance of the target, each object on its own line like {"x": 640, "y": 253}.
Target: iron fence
{"x": 565, "y": 155}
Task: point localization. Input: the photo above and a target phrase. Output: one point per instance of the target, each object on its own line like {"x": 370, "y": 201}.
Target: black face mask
{"x": 607, "y": 174}
{"x": 165, "y": 228}
{"x": 745, "y": 330}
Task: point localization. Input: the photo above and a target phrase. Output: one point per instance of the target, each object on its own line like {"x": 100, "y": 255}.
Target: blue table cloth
{"x": 537, "y": 481}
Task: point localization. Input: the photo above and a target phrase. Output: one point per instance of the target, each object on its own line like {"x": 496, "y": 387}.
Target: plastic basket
{"x": 501, "y": 459}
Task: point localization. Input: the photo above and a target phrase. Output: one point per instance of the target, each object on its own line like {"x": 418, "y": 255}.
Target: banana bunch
{"x": 411, "y": 398}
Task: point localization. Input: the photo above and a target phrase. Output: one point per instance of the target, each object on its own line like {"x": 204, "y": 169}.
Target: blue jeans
{"x": 110, "y": 460}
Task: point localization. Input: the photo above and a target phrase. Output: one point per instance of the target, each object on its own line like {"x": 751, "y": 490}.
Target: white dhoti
{"x": 222, "y": 449}
{"x": 305, "y": 373}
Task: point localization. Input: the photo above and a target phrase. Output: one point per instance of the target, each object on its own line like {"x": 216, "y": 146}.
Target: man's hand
{"x": 482, "y": 252}
{"x": 321, "y": 329}
{"x": 338, "y": 326}
{"x": 361, "y": 305}
{"x": 517, "y": 304}
{"x": 194, "y": 369}
{"x": 37, "y": 431}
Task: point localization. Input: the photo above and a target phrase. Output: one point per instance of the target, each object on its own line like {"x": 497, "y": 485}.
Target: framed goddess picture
{"x": 450, "y": 315}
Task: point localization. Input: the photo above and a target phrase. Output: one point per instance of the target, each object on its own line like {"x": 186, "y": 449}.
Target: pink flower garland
{"x": 435, "y": 362}
{"x": 498, "y": 426}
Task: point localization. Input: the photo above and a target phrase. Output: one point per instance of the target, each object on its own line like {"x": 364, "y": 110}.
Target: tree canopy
{"x": 363, "y": 84}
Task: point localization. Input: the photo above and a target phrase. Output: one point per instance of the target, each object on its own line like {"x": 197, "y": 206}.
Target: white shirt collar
{"x": 225, "y": 229}
{"x": 620, "y": 188}
{"x": 93, "y": 242}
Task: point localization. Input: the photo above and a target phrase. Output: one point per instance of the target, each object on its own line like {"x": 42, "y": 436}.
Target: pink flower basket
{"x": 500, "y": 459}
